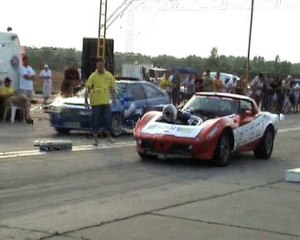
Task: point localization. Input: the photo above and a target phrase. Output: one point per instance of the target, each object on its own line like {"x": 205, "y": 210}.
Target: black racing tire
{"x": 62, "y": 130}
{"x": 117, "y": 125}
{"x": 223, "y": 150}
{"x": 265, "y": 147}
{"x": 145, "y": 156}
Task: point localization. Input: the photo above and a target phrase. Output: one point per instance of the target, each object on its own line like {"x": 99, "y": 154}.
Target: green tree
{"x": 213, "y": 60}
{"x": 59, "y": 58}
{"x": 56, "y": 58}
{"x": 257, "y": 65}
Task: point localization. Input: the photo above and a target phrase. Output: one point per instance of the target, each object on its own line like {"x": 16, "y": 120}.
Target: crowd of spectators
{"x": 273, "y": 94}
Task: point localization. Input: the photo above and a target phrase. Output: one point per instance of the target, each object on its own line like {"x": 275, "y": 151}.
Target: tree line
{"x": 60, "y": 58}
{"x": 57, "y": 58}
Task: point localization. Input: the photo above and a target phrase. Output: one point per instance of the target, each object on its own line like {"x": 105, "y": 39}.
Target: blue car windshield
{"x": 219, "y": 106}
{"x": 120, "y": 90}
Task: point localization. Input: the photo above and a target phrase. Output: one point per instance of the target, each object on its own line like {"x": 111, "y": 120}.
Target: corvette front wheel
{"x": 223, "y": 150}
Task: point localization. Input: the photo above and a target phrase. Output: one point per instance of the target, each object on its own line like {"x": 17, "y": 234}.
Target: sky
{"x": 177, "y": 28}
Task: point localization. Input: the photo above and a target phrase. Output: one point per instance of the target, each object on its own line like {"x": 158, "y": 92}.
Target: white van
{"x": 10, "y": 57}
{"x": 225, "y": 77}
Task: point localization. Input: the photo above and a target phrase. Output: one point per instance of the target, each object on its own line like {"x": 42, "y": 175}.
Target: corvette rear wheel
{"x": 265, "y": 148}
{"x": 223, "y": 150}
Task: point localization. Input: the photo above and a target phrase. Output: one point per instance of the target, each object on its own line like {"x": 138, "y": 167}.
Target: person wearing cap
{"x": 46, "y": 77}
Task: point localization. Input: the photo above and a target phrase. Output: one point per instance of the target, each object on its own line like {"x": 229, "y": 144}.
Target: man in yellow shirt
{"x": 165, "y": 83}
{"x": 6, "y": 91}
{"x": 218, "y": 85}
{"x": 9, "y": 95}
{"x": 99, "y": 87}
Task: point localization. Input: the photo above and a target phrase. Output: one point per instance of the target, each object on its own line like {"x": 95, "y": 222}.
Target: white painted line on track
{"x": 289, "y": 130}
{"x": 25, "y": 153}
{"x": 106, "y": 146}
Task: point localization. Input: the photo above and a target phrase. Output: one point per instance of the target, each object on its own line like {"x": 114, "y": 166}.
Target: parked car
{"x": 227, "y": 79}
{"x": 134, "y": 98}
{"x": 226, "y": 123}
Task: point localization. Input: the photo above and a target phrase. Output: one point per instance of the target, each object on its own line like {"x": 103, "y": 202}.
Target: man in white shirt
{"x": 27, "y": 76}
{"x": 256, "y": 87}
{"x": 189, "y": 86}
{"x": 46, "y": 76}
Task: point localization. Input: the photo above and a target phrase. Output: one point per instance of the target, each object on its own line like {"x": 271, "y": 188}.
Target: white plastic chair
{"x": 13, "y": 110}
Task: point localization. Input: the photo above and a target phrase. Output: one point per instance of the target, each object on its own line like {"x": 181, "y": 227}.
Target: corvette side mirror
{"x": 244, "y": 110}
{"x": 248, "y": 112}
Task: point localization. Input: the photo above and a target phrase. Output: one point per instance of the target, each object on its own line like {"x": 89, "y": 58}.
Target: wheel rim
{"x": 224, "y": 149}
{"x": 269, "y": 141}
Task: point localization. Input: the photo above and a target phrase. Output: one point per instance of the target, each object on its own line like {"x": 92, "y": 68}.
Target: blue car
{"x": 134, "y": 98}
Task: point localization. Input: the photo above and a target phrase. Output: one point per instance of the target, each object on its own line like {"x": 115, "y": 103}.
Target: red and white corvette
{"x": 212, "y": 127}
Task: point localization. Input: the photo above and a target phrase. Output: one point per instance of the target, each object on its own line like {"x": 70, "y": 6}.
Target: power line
{"x": 200, "y": 5}
{"x": 129, "y": 7}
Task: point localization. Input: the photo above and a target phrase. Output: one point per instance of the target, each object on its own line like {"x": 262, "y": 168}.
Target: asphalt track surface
{"x": 109, "y": 193}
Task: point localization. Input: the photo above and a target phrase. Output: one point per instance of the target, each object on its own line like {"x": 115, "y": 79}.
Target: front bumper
{"x": 175, "y": 147}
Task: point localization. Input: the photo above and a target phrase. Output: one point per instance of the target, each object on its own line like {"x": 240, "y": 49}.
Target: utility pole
{"x": 102, "y": 29}
{"x": 249, "y": 45}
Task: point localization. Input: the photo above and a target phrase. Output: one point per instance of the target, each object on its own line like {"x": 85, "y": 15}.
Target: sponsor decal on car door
{"x": 249, "y": 132}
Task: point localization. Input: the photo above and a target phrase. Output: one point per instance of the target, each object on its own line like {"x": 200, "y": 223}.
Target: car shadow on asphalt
{"x": 236, "y": 160}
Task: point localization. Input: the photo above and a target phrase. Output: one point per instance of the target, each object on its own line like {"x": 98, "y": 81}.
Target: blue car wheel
{"x": 62, "y": 130}
{"x": 117, "y": 125}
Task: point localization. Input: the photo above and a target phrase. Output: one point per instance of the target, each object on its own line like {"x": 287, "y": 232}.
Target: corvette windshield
{"x": 218, "y": 106}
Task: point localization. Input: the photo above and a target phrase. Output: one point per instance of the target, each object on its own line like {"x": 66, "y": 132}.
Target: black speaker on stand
{"x": 89, "y": 56}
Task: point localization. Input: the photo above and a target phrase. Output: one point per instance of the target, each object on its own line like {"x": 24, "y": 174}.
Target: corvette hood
{"x": 159, "y": 128}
